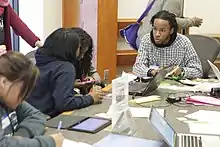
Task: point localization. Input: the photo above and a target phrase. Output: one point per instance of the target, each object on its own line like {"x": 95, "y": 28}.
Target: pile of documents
{"x": 204, "y": 122}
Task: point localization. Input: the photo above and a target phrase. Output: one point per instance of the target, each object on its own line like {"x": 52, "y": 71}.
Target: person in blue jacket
{"x": 56, "y": 59}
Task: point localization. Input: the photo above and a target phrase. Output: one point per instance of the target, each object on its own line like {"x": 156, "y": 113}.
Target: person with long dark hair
{"x": 164, "y": 47}
{"x": 57, "y": 60}
{"x": 85, "y": 70}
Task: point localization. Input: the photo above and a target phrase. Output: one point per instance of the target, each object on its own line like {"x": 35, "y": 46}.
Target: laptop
{"x": 215, "y": 69}
{"x": 142, "y": 89}
{"x": 174, "y": 139}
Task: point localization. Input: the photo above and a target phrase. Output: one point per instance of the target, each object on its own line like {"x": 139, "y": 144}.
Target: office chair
{"x": 206, "y": 48}
{"x": 31, "y": 56}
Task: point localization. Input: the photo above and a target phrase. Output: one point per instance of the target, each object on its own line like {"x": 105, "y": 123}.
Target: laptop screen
{"x": 162, "y": 126}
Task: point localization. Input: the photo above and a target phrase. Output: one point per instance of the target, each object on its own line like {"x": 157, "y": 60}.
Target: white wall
{"x": 52, "y": 16}
{"x": 206, "y": 9}
{"x": 41, "y": 16}
{"x": 131, "y": 8}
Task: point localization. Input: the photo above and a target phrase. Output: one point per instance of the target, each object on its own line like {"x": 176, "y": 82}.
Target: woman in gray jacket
{"x": 21, "y": 125}
{"x": 173, "y": 6}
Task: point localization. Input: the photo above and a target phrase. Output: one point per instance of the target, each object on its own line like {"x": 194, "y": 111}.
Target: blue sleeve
{"x": 63, "y": 94}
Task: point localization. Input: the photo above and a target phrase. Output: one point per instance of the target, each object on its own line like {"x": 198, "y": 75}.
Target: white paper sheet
{"x": 204, "y": 128}
{"x": 210, "y": 141}
{"x": 130, "y": 76}
{"x": 205, "y": 116}
{"x": 203, "y": 87}
{"x": 181, "y": 118}
{"x": 190, "y": 82}
{"x": 143, "y": 112}
{"x": 70, "y": 143}
{"x": 183, "y": 111}
{"x": 135, "y": 112}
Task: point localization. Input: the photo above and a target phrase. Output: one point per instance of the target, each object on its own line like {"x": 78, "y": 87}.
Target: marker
{"x": 59, "y": 126}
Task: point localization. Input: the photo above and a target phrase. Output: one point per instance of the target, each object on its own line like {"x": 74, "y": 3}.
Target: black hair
{"x": 86, "y": 48}
{"x": 171, "y": 18}
{"x": 63, "y": 44}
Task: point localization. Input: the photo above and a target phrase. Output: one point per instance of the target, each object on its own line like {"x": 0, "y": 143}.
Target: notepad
{"x": 147, "y": 99}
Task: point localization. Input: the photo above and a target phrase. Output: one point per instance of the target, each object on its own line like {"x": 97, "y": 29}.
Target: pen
{"x": 59, "y": 126}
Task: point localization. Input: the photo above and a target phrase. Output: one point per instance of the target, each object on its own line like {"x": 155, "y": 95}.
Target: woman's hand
{"x": 2, "y": 49}
{"x": 39, "y": 43}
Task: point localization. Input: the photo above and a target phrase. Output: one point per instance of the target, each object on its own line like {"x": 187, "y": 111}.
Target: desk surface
{"x": 145, "y": 130}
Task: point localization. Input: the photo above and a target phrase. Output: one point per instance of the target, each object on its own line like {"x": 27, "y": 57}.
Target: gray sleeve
{"x": 31, "y": 122}
{"x": 44, "y": 141}
{"x": 184, "y": 22}
{"x": 93, "y": 73}
{"x": 92, "y": 70}
{"x": 174, "y": 6}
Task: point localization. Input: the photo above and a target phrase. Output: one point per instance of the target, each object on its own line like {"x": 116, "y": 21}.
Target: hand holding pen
{"x": 59, "y": 126}
{"x": 58, "y": 138}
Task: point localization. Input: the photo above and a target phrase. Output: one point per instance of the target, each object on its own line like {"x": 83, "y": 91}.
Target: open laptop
{"x": 174, "y": 139}
{"x": 142, "y": 89}
{"x": 215, "y": 69}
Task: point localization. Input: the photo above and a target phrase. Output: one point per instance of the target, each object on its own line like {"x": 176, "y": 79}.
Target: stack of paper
{"x": 205, "y": 116}
{"x": 205, "y": 122}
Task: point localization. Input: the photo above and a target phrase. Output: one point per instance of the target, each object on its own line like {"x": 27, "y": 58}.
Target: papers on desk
{"x": 147, "y": 99}
{"x": 210, "y": 141}
{"x": 175, "y": 87}
{"x": 70, "y": 143}
{"x": 203, "y": 100}
{"x": 203, "y": 87}
{"x": 205, "y": 122}
{"x": 135, "y": 112}
{"x": 203, "y": 128}
{"x": 130, "y": 76}
{"x": 190, "y": 82}
{"x": 115, "y": 140}
{"x": 143, "y": 112}
{"x": 205, "y": 116}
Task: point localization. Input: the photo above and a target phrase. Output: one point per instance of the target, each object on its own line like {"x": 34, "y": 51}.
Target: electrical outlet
{"x": 106, "y": 74}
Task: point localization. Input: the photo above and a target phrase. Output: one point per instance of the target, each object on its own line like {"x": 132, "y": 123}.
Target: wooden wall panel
{"x": 70, "y": 13}
{"x": 107, "y": 37}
